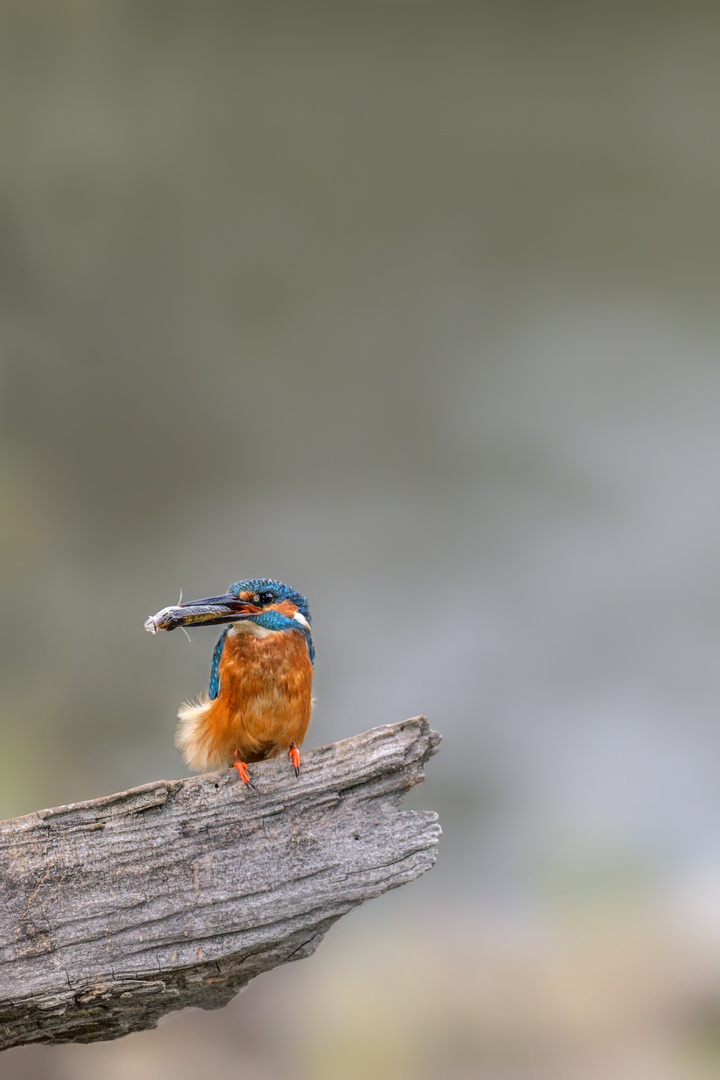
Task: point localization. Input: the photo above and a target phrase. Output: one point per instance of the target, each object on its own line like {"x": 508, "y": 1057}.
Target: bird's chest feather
{"x": 268, "y": 673}
{"x": 256, "y": 665}
{"x": 263, "y": 705}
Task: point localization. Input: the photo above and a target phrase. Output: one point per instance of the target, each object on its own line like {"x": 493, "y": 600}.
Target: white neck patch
{"x": 247, "y": 626}
{"x": 250, "y": 627}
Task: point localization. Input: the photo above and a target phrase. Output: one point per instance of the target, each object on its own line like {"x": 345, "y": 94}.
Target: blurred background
{"x": 415, "y": 306}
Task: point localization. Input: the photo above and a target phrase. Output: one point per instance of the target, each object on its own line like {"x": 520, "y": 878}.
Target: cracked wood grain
{"x": 118, "y": 910}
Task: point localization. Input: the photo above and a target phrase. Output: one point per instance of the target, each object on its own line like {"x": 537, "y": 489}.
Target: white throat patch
{"x": 249, "y": 627}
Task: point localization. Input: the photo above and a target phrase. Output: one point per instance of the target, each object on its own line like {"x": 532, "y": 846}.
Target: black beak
{"x": 213, "y": 611}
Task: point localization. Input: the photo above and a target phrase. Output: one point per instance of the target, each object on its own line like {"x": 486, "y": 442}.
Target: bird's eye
{"x": 266, "y": 598}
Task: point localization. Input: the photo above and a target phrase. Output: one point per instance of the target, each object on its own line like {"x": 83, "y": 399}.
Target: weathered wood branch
{"x": 118, "y": 910}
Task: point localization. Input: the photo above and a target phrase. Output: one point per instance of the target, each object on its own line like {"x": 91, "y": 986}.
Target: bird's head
{"x": 271, "y": 595}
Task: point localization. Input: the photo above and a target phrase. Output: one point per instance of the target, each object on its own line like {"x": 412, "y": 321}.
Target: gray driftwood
{"x": 116, "y": 911}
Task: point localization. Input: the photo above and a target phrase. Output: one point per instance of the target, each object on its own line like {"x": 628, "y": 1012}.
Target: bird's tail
{"x": 196, "y": 738}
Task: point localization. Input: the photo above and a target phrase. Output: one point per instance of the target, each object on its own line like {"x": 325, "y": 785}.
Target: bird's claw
{"x": 294, "y": 755}
{"x": 243, "y": 770}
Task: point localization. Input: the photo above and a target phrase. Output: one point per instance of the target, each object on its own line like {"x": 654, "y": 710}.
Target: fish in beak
{"x": 213, "y": 611}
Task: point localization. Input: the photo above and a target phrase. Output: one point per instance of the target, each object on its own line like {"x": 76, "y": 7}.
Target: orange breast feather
{"x": 263, "y": 706}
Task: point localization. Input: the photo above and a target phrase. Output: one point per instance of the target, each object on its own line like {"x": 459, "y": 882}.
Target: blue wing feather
{"x": 214, "y": 670}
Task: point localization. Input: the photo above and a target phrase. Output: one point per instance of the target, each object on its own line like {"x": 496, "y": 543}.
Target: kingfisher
{"x": 260, "y": 697}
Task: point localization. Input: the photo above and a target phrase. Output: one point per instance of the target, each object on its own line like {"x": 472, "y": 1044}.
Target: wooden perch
{"x": 118, "y": 910}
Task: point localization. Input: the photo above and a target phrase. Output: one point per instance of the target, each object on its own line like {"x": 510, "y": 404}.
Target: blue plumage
{"x": 214, "y": 672}
{"x": 275, "y": 590}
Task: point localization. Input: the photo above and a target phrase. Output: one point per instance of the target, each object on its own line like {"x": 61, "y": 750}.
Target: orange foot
{"x": 243, "y": 770}
{"x": 294, "y": 755}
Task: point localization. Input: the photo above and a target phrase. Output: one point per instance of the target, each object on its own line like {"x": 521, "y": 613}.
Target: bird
{"x": 259, "y": 701}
